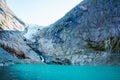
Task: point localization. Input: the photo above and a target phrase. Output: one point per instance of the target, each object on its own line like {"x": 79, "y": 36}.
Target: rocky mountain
{"x": 13, "y": 47}
{"x": 8, "y": 20}
{"x": 87, "y": 35}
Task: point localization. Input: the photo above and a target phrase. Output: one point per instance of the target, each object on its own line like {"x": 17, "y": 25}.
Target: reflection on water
{"x": 55, "y": 72}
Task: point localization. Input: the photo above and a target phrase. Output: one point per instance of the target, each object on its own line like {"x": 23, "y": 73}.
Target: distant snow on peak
{"x": 31, "y": 30}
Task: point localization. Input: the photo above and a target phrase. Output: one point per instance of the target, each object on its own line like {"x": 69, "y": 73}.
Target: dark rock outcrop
{"x": 91, "y": 28}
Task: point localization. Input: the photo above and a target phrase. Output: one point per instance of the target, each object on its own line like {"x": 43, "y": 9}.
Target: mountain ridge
{"x": 8, "y": 20}
{"x": 91, "y": 28}
{"x": 89, "y": 34}
{"x": 13, "y": 48}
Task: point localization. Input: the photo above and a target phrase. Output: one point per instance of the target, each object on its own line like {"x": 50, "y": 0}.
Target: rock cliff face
{"x": 7, "y": 57}
{"x": 87, "y": 35}
{"x": 13, "y": 48}
{"x": 8, "y": 20}
{"x": 13, "y": 42}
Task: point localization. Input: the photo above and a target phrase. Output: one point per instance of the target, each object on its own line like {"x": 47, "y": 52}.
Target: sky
{"x": 41, "y": 12}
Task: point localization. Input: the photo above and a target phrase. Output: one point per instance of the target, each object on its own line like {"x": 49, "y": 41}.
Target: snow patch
{"x": 31, "y": 30}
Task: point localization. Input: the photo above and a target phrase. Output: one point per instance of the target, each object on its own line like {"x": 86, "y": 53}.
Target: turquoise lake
{"x": 56, "y": 72}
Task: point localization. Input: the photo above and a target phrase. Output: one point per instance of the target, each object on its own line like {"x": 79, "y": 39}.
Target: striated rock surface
{"x": 13, "y": 47}
{"x": 87, "y": 35}
{"x": 6, "y": 57}
{"x": 13, "y": 42}
{"x": 8, "y": 20}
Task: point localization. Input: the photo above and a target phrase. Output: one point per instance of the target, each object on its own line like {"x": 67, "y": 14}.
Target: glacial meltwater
{"x": 56, "y": 72}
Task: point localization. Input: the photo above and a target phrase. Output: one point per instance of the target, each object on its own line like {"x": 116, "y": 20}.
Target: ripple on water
{"x": 56, "y": 72}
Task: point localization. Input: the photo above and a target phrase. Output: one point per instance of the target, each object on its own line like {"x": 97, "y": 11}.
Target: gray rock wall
{"x": 8, "y": 20}
{"x": 92, "y": 26}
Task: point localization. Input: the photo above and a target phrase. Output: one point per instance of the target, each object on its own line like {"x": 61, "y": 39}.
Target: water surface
{"x": 55, "y": 72}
